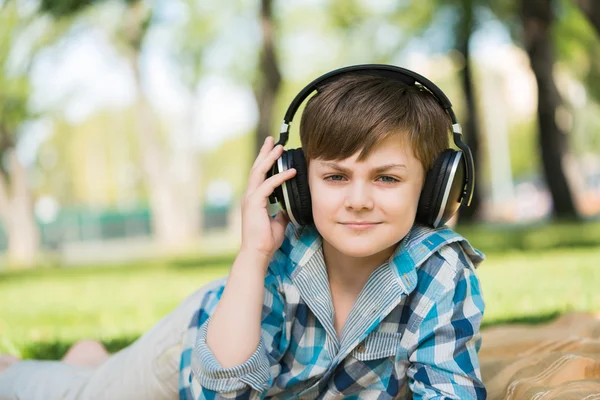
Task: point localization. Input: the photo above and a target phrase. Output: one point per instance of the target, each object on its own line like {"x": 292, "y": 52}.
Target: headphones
{"x": 448, "y": 185}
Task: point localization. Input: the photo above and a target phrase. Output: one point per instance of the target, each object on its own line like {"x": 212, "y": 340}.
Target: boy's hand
{"x": 260, "y": 233}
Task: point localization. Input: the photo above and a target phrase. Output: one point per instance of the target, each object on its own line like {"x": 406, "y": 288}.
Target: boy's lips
{"x": 360, "y": 224}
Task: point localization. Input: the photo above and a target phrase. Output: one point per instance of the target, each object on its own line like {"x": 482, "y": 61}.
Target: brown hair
{"x": 357, "y": 111}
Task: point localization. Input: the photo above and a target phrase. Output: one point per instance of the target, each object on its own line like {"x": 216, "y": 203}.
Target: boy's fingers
{"x": 270, "y": 184}
{"x": 258, "y": 173}
{"x": 270, "y": 159}
{"x": 264, "y": 150}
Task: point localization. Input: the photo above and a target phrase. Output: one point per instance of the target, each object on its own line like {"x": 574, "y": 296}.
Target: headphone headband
{"x": 388, "y": 71}
{"x": 403, "y": 75}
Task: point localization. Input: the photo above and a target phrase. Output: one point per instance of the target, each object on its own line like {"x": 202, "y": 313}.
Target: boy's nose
{"x": 358, "y": 197}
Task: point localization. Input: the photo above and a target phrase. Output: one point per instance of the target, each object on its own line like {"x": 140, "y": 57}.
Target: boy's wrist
{"x": 248, "y": 258}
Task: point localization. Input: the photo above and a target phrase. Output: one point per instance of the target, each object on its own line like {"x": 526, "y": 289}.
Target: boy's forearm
{"x": 234, "y": 329}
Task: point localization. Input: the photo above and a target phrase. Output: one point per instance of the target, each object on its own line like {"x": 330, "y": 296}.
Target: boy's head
{"x": 350, "y": 130}
{"x": 357, "y": 111}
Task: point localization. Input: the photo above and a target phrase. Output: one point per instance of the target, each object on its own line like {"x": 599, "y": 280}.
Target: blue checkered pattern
{"x": 413, "y": 331}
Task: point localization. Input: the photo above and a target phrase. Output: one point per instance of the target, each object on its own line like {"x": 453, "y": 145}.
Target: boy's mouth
{"x": 360, "y": 224}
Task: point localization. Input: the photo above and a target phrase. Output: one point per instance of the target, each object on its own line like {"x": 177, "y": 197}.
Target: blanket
{"x": 555, "y": 360}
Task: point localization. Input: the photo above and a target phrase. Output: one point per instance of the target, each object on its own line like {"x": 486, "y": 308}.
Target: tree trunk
{"x": 471, "y": 125}
{"x": 16, "y": 209}
{"x": 591, "y": 9}
{"x": 537, "y": 17}
{"x": 175, "y": 220}
{"x": 269, "y": 79}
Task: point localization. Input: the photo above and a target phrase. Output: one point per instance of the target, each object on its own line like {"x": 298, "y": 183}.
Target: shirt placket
{"x": 313, "y": 285}
{"x": 379, "y": 297}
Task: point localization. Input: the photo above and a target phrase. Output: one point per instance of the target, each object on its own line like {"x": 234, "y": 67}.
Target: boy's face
{"x": 364, "y": 208}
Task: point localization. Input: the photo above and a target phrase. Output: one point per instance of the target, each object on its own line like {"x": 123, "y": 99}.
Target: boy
{"x": 360, "y": 303}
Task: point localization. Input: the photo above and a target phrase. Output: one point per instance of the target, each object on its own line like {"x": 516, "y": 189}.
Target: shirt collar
{"x": 412, "y": 251}
{"x": 419, "y": 244}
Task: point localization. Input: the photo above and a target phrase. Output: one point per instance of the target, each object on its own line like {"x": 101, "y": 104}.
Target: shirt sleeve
{"x": 209, "y": 380}
{"x": 445, "y": 363}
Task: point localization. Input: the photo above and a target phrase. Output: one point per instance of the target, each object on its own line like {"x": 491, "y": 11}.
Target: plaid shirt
{"x": 414, "y": 329}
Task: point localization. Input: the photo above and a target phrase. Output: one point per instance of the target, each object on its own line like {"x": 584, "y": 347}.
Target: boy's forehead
{"x": 392, "y": 150}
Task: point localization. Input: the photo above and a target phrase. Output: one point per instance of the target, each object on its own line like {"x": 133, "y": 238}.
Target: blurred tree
{"x": 16, "y": 200}
{"x": 578, "y": 52}
{"x": 269, "y": 76}
{"x": 173, "y": 202}
{"x": 588, "y": 45}
{"x": 537, "y": 19}
{"x": 176, "y": 219}
{"x": 464, "y": 29}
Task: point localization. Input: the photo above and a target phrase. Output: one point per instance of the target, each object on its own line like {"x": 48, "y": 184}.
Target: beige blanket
{"x": 557, "y": 360}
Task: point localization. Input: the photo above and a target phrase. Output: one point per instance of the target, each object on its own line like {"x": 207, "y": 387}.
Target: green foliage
{"x": 578, "y": 48}
{"x": 193, "y": 38}
{"x": 508, "y": 12}
{"x": 93, "y": 142}
{"x": 230, "y": 162}
{"x": 523, "y": 148}
{"x": 346, "y": 14}
{"x": 14, "y": 83}
{"x": 21, "y": 35}
{"x": 13, "y": 105}
{"x": 64, "y": 8}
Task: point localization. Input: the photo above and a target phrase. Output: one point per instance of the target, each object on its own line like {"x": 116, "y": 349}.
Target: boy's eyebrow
{"x": 334, "y": 166}
{"x": 380, "y": 169}
{"x": 389, "y": 166}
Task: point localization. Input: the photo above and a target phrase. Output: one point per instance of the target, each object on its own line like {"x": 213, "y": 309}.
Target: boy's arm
{"x": 230, "y": 355}
{"x": 234, "y": 329}
{"x": 445, "y": 364}
{"x": 235, "y": 360}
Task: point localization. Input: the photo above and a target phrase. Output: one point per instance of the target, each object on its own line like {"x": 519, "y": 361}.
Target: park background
{"x": 128, "y": 128}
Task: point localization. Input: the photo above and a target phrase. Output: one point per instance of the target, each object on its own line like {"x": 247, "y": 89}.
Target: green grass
{"x": 43, "y": 311}
{"x": 49, "y": 309}
{"x": 535, "y": 286}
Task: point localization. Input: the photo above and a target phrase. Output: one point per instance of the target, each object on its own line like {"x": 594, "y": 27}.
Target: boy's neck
{"x": 349, "y": 273}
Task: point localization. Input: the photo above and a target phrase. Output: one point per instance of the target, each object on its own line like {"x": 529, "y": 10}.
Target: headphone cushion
{"x": 301, "y": 203}
{"x": 435, "y": 183}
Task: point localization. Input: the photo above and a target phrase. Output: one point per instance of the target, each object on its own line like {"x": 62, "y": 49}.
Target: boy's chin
{"x": 358, "y": 250}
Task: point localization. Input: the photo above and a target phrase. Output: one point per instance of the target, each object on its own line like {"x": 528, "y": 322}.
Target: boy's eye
{"x": 334, "y": 178}
{"x": 383, "y": 178}
{"x": 388, "y": 179}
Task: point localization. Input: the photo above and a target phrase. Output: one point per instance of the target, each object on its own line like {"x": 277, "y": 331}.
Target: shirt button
{"x": 360, "y": 348}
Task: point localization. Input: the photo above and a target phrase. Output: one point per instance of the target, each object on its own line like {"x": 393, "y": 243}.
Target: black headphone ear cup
{"x": 299, "y": 191}
{"x": 277, "y": 195}
{"x": 450, "y": 199}
{"x": 433, "y": 190}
